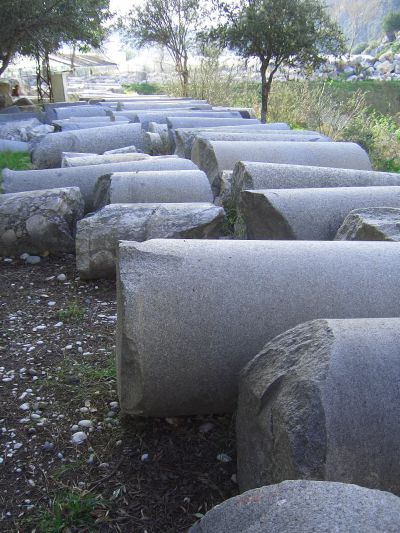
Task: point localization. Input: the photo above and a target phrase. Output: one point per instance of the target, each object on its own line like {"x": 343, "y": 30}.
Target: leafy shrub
{"x": 142, "y": 88}
{"x": 359, "y": 48}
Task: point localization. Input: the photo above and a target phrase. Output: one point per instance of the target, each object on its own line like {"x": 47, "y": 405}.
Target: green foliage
{"x": 29, "y": 26}
{"x": 278, "y": 32}
{"x": 73, "y": 311}
{"x": 142, "y": 88}
{"x": 359, "y": 48}
{"x": 391, "y": 24}
{"x": 71, "y": 509}
{"x": 171, "y": 25}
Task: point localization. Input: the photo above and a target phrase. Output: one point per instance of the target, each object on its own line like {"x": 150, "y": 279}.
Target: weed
{"x": 73, "y": 311}
{"x": 71, "y": 509}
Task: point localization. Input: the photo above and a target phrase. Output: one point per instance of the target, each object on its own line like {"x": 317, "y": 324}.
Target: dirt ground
{"x": 57, "y": 371}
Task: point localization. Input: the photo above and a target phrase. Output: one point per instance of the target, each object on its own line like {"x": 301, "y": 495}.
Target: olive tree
{"x": 171, "y": 24}
{"x": 29, "y": 26}
{"x": 277, "y": 32}
{"x": 391, "y": 25}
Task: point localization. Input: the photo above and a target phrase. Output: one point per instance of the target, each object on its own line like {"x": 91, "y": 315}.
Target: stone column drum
{"x": 322, "y": 401}
{"x": 192, "y": 313}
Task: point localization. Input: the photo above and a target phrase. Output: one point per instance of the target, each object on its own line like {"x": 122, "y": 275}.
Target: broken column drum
{"x": 174, "y": 186}
{"x": 307, "y": 214}
{"x": 322, "y": 401}
{"x": 371, "y": 224}
{"x": 182, "y": 335}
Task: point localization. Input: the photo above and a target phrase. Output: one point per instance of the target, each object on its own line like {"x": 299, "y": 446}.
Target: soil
{"x": 57, "y": 369}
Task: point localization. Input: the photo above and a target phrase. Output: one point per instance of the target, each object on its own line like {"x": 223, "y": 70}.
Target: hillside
{"x": 361, "y": 20}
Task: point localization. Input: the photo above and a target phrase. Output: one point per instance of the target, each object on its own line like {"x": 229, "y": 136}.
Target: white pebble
{"x": 78, "y": 438}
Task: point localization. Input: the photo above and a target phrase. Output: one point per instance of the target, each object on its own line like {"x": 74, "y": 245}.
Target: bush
{"x": 142, "y": 88}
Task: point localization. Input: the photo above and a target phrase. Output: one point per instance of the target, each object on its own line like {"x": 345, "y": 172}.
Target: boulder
{"x": 164, "y": 186}
{"x": 253, "y": 175}
{"x": 371, "y": 224}
{"x": 304, "y": 507}
{"x": 98, "y": 235}
{"x": 307, "y": 214}
{"x": 36, "y": 222}
{"x": 84, "y": 177}
{"x": 192, "y": 313}
{"x": 47, "y": 153}
{"x": 215, "y": 156}
{"x": 322, "y": 401}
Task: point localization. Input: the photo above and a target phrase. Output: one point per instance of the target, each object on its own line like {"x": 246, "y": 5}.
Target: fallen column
{"x": 307, "y": 214}
{"x": 13, "y": 146}
{"x": 215, "y": 156}
{"x": 198, "y": 122}
{"x": 145, "y": 117}
{"x": 72, "y": 125}
{"x": 304, "y": 507}
{"x": 98, "y": 235}
{"x": 124, "y": 150}
{"x": 102, "y": 159}
{"x": 47, "y": 153}
{"x": 185, "y": 137}
{"x": 84, "y": 177}
{"x": 36, "y": 222}
{"x": 16, "y": 117}
{"x": 192, "y": 313}
{"x": 66, "y": 112}
{"x": 331, "y": 389}
{"x": 173, "y": 186}
{"x": 253, "y": 175}
{"x": 370, "y": 224}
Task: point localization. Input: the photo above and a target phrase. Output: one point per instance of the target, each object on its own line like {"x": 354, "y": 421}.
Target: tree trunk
{"x": 264, "y": 92}
{"x": 5, "y": 61}
{"x": 73, "y": 58}
{"x": 185, "y": 77}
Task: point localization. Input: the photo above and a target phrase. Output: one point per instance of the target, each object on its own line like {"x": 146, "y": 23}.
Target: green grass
{"x": 142, "y": 88}
{"x": 15, "y": 160}
{"x": 72, "y": 312}
{"x": 71, "y": 509}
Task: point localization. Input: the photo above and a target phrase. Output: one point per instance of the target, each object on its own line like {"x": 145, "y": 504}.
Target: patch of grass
{"x": 71, "y": 509}
{"x": 142, "y": 88}
{"x": 15, "y": 160}
{"x": 73, "y": 311}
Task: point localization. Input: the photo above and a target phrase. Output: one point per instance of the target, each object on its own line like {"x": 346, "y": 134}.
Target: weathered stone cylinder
{"x": 322, "y": 401}
{"x": 40, "y": 221}
{"x": 84, "y": 177}
{"x": 98, "y": 235}
{"x": 102, "y": 159}
{"x": 215, "y": 156}
{"x": 307, "y": 214}
{"x": 198, "y": 122}
{"x": 73, "y": 126}
{"x": 47, "y": 153}
{"x": 371, "y": 224}
{"x": 61, "y": 113}
{"x": 7, "y": 145}
{"x": 304, "y": 507}
{"x": 173, "y": 186}
{"x": 145, "y": 117}
{"x": 185, "y": 137}
{"x": 253, "y": 175}
{"x": 16, "y": 117}
{"x": 192, "y": 313}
